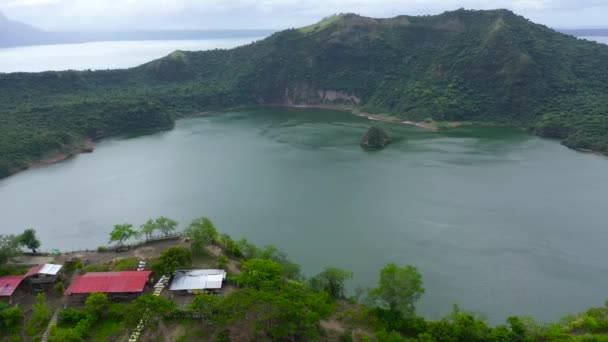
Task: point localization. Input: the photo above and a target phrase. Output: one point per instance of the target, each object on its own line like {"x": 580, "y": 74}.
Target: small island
{"x": 375, "y": 138}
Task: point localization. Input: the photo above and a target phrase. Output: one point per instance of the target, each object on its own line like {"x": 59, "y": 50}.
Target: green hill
{"x": 474, "y": 66}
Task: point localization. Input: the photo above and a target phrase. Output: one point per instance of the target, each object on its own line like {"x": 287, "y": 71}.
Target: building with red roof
{"x": 114, "y": 283}
{"x": 9, "y": 284}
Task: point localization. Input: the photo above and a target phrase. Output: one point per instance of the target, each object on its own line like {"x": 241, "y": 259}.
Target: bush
{"x": 103, "y": 249}
{"x": 96, "y": 304}
{"x": 41, "y": 314}
{"x": 59, "y": 288}
{"x": 222, "y": 261}
{"x": 171, "y": 260}
{"x": 10, "y": 318}
{"x": 125, "y": 264}
{"x": 70, "y": 317}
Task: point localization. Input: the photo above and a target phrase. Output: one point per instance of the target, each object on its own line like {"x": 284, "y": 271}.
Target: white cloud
{"x": 160, "y": 14}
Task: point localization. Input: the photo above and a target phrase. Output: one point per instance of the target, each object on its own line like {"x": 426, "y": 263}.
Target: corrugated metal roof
{"x": 8, "y": 285}
{"x": 50, "y": 269}
{"x": 197, "y": 279}
{"x": 109, "y": 282}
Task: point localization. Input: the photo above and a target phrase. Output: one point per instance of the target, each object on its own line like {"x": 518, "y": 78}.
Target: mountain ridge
{"x": 490, "y": 66}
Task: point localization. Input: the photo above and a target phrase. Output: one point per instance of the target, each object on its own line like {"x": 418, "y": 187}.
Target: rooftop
{"x": 50, "y": 269}
{"x": 109, "y": 282}
{"x": 8, "y": 285}
{"x": 197, "y": 279}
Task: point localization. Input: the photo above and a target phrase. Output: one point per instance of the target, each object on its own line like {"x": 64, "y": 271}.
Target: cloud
{"x": 162, "y": 14}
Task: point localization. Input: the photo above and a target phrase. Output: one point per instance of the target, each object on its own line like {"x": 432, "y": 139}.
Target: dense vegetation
{"x": 270, "y": 300}
{"x": 375, "y": 138}
{"x": 473, "y": 66}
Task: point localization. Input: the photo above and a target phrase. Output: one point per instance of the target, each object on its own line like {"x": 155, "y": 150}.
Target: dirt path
{"x": 147, "y": 251}
{"x": 232, "y": 266}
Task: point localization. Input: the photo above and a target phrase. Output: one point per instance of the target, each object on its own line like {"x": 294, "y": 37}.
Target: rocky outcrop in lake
{"x": 375, "y": 138}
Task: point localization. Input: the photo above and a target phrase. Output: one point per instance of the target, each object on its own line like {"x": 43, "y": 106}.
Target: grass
{"x": 123, "y": 264}
{"x": 322, "y": 24}
{"x": 108, "y": 330}
{"x": 192, "y": 333}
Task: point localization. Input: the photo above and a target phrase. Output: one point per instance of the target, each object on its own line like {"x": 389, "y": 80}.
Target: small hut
{"x": 197, "y": 281}
{"x": 43, "y": 274}
{"x": 8, "y": 286}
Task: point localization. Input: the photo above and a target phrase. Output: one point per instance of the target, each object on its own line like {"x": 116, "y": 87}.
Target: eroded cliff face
{"x": 302, "y": 94}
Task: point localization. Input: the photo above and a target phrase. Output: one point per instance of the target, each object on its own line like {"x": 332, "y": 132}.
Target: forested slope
{"x": 483, "y": 66}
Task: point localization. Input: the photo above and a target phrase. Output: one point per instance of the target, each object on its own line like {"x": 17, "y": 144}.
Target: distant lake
{"x": 496, "y": 220}
{"x": 598, "y": 39}
{"x": 102, "y": 55}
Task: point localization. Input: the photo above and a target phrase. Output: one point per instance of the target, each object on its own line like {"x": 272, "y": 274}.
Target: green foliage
{"x": 29, "y": 239}
{"x": 261, "y": 274}
{"x": 288, "y": 314}
{"x": 68, "y": 318}
{"x": 162, "y": 224}
{"x": 475, "y": 66}
{"x": 203, "y": 233}
{"x": 222, "y": 261}
{"x": 96, "y": 304}
{"x": 124, "y": 264}
{"x": 41, "y": 314}
{"x": 11, "y": 319}
{"x": 207, "y": 306}
{"x": 171, "y": 260}
{"x": 59, "y": 288}
{"x": 9, "y": 249}
{"x": 399, "y": 289}
{"x": 116, "y": 265}
{"x": 99, "y": 321}
{"x": 331, "y": 280}
{"x": 122, "y": 233}
{"x": 246, "y": 250}
{"x": 153, "y": 307}
{"x": 375, "y": 138}
{"x": 230, "y": 246}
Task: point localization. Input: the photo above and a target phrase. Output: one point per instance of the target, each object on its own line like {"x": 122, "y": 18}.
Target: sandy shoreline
{"x": 58, "y": 157}
{"x": 368, "y": 116}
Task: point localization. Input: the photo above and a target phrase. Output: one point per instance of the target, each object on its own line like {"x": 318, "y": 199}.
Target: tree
{"x": 41, "y": 314}
{"x": 122, "y": 233}
{"x": 202, "y": 232}
{"x": 11, "y": 319}
{"x": 261, "y": 273}
{"x": 292, "y": 270}
{"x": 153, "y": 307}
{"x": 171, "y": 260}
{"x": 29, "y": 239}
{"x": 165, "y": 225}
{"x": 96, "y": 304}
{"x": 9, "y": 248}
{"x": 398, "y": 290}
{"x": 207, "y": 306}
{"x": 148, "y": 228}
{"x": 331, "y": 280}
{"x": 289, "y": 314}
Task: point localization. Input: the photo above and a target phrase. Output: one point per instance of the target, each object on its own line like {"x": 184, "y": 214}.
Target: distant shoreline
{"x": 88, "y": 147}
{"x": 369, "y": 116}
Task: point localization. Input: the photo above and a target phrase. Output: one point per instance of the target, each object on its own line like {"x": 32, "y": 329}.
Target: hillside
{"x": 14, "y": 33}
{"x": 467, "y": 66}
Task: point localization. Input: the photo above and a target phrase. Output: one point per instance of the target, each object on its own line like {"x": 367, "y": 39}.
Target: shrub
{"x": 222, "y": 261}
{"x": 59, "y": 288}
{"x": 103, "y": 249}
{"x": 70, "y": 317}
{"x": 171, "y": 260}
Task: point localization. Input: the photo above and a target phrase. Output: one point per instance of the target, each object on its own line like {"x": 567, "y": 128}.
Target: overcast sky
{"x": 274, "y": 14}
